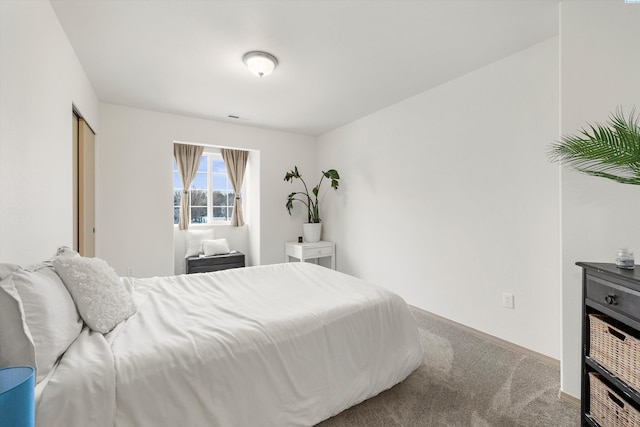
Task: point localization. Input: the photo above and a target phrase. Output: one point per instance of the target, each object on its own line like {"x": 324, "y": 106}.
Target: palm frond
{"x": 610, "y": 150}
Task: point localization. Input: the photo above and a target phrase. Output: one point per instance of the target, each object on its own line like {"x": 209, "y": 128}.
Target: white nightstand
{"x": 305, "y": 251}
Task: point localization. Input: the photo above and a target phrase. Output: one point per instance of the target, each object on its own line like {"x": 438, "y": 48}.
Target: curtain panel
{"x": 236, "y": 164}
{"x": 187, "y": 159}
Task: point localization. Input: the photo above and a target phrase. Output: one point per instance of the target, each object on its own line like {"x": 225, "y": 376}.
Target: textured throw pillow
{"x": 16, "y": 344}
{"x": 101, "y": 297}
{"x": 215, "y": 247}
{"x": 66, "y": 250}
{"x": 194, "y": 240}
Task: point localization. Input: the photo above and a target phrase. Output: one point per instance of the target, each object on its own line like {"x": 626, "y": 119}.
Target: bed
{"x": 278, "y": 345}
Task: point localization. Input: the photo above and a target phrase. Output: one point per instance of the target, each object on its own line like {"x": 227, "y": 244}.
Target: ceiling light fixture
{"x": 260, "y": 63}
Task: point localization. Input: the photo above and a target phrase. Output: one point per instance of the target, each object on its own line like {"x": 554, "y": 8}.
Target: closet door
{"x": 86, "y": 189}
{"x": 74, "y": 126}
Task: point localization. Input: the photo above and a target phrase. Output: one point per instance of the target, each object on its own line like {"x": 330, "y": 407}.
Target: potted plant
{"x": 609, "y": 151}
{"x": 313, "y": 227}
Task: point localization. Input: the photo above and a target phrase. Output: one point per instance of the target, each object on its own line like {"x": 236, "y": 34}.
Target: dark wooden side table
{"x": 196, "y": 264}
{"x": 610, "y": 345}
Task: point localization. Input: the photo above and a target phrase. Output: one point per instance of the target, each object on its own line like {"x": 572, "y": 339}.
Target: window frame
{"x": 210, "y": 154}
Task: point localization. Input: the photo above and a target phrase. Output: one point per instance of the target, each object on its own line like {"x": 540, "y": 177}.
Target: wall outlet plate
{"x": 508, "y": 301}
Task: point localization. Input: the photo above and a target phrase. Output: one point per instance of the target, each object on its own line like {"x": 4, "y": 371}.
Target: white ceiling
{"x": 339, "y": 60}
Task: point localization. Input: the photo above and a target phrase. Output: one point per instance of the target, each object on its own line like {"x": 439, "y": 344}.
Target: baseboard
{"x": 495, "y": 340}
{"x": 568, "y": 398}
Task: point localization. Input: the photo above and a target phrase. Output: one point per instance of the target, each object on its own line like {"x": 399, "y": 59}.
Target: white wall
{"x": 40, "y": 79}
{"x": 447, "y": 198}
{"x": 600, "y": 71}
{"x": 134, "y": 216}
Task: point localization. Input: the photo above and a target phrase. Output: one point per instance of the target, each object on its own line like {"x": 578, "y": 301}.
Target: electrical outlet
{"x": 508, "y": 301}
{"x": 130, "y": 271}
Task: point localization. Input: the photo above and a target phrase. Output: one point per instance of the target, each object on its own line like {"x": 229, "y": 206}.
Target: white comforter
{"x": 279, "y": 345}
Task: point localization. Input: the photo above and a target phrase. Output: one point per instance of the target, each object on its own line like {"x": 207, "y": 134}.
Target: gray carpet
{"x": 466, "y": 380}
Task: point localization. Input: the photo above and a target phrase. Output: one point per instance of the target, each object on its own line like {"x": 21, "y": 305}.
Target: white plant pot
{"x": 311, "y": 232}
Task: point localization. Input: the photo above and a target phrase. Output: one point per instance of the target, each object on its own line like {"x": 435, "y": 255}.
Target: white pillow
{"x": 47, "y": 312}
{"x": 102, "y": 299}
{"x": 194, "y": 239}
{"x": 215, "y": 247}
{"x": 16, "y": 344}
{"x": 7, "y": 269}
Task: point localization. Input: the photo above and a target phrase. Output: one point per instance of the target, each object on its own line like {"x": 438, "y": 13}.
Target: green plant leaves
{"x": 292, "y": 174}
{"x": 334, "y": 176}
{"x": 610, "y": 150}
{"x": 310, "y": 203}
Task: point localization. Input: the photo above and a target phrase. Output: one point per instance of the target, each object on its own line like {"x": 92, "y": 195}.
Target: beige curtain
{"x": 236, "y": 163}
{"x": 187, "y": 159}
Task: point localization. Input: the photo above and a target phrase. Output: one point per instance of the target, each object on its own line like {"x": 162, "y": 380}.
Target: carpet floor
{"x": 466, "y": 380}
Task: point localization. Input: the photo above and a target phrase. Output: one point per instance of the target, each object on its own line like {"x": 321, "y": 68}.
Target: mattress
{"x": 279, "y": 345}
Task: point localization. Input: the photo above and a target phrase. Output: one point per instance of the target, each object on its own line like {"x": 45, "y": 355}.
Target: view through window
{"x": 210, "y": 195}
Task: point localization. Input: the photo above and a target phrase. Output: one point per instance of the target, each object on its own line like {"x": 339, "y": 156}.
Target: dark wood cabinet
{"x": 196, "y": 264}
{"x": 610, "y": 345}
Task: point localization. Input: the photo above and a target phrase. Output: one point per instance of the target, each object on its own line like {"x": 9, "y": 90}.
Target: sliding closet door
{"x": 86, "y": 189}
{"x": 74, "y": 125}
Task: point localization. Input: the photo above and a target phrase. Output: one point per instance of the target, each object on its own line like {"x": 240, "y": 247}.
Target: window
{"x": 211, "y": 195}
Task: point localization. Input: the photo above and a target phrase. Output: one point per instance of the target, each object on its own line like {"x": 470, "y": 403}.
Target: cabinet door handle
{"x": 611, "y": 299}
{"x": 617, "y": 334}
{"x": 617, "y": 401}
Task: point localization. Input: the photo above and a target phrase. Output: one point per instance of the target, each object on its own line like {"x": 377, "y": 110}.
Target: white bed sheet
{"x": 280, "y": 345}
{"x": 81, "y": 390}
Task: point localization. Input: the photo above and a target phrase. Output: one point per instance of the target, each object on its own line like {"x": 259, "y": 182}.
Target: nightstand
{"x": 206, "y": 264}
{"x": 610, "y": 343}
{"x": 305, "y": 251}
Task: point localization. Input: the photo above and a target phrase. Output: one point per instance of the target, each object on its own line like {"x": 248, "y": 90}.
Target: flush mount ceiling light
{"x": 260, "y": 63}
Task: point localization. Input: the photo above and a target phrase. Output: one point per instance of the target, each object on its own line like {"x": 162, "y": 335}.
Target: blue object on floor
{"x": 17, "y": 385}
